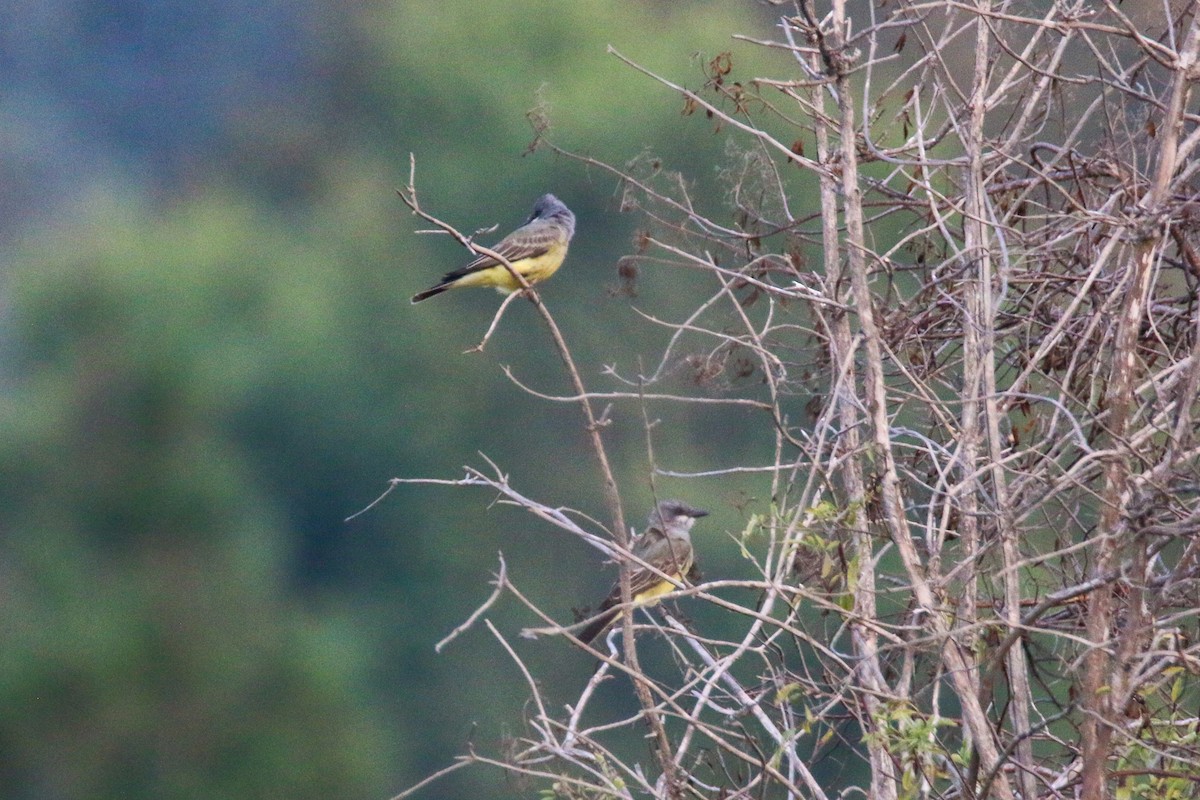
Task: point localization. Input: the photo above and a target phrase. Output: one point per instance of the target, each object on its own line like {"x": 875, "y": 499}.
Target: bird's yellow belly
{"x": 652, "y": 595}
{"x": 534, "y": 270}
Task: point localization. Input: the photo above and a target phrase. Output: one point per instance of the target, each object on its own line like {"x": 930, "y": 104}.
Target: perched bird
{"x": 667, "y": 546}
{"x": 535, "y": 250}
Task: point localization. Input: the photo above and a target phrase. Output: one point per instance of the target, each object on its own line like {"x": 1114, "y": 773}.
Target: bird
{"x": 535, "y": 250}
{"x": 667, "y": 546}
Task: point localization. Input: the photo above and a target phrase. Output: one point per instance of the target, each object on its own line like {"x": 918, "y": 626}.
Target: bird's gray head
{"x": 674, "y": 514}
{"x": 550, "y": 207}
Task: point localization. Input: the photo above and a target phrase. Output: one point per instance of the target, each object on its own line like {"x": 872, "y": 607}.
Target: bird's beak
{"x": 697, "y": 513}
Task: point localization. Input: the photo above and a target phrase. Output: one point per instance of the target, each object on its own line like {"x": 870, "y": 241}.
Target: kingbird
{"x": 535, "y": 250}
{"x": 667, "y": 546}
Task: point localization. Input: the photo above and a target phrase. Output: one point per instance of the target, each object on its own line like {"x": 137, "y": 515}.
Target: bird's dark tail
{"x": 608, "y": 617}
{"x": 428, "y": 293}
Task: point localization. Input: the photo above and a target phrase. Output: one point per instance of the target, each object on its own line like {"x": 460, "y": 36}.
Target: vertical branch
{"x": 957, "y": 656}
{"x": 641, "y": 686}
{"x": 884, "y": 780}
{"x": 611, "y": 494}
{"x": 979, "y": 363}
{"x": 1104, "y": 684}
{"x": 978, "y": 262}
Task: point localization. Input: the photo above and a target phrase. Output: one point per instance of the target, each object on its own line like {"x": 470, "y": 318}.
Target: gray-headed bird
{"x": 535, "y": 250}
{"x": 667, "y": 546}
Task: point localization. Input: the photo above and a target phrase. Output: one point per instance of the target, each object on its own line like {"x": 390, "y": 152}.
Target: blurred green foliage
{"x": 201, "y": 382}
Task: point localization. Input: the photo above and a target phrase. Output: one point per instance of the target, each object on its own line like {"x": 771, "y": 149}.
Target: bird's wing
{"x": 670, "y": 554}
{"x": 529, "y": 241}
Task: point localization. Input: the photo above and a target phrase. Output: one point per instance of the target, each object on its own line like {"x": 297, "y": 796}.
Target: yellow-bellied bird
{"x": 535, "y": 250}
{"x": 667, "y": 546}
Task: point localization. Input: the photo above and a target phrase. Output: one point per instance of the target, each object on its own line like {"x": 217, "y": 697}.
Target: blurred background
{"x": 208, "y": 361}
